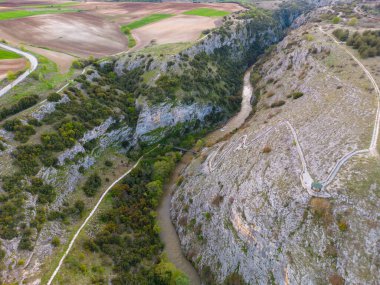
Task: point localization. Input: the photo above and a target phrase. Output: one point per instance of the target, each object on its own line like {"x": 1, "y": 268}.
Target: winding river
{"x": 168, "y": 233}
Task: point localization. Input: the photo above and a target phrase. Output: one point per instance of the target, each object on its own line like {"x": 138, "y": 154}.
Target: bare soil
{"x": 13, "y": 65}
{"x": 127, "y": 12}
{"x": 62, "y": 60}
{"x": 187, "y": 28}
{"x": 79, "y": 34}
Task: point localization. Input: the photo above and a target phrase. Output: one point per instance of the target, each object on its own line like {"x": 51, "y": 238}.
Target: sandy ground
{"x": 79, "y": 34}
{"x": 187, "y": 28}
{"x": 11, "y": 65}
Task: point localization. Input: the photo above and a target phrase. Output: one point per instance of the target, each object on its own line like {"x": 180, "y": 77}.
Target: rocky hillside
{"x": 242, "y": 211}
{"x": 57, "y": 155}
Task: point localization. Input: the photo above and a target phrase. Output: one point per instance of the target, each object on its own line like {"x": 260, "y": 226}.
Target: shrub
{"x": 108, "y": 163}
{"x": 278, "y": 103}
{"x": 267, "y": 149}
{"x": 367, "y": 43}
{"x": 321, "y": 209}
{"x": 10, "y": 125}
{"x": 336, "y": 279}
{"x": 336, "y": 20}
{"x": 342, "y": 225}
{"x": 55, "y": 241}
{"x": 341, "y": 34}
{"x": 309, "y": 37}
{"x": 11, "y": 75}
{"x": 92, "y": 185}
{"x": 22, "y": 104}
{"x": 297, "y": 95}
{"x": 353, "y": 21}
{"x": 54, "y": 97}
{"x": 217, "y": 200}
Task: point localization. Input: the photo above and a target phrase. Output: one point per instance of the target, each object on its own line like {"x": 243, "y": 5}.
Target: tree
{"x": 92, "y": 185}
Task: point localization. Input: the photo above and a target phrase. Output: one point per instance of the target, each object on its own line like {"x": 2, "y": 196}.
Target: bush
{"x": 296, "y": 95}
{"x": 353, "y": 21}
{"x": 11, "y": 76}
{"x": 108, "y": 163}
{"x": 341, "y": 34}
{"x": 22, "y": 104}
{"x": 342, "y": 225}
{"x": 267, "y": 149}
{"x": 336, "y": 20}
{"x": 278, "y": 103}
{"x": 55, "y": 241}
{"x": 92, "y": 185}
{"x": 54, "y": 97}
{"x": 367, "y": 43}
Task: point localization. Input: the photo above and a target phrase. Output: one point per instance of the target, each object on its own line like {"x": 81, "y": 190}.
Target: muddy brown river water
{"x": 168, "y": 233}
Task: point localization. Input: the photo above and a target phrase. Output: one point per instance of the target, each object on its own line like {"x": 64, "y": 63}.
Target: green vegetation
{"x": 92, "y": 185}
{"x": 341, "y": 34}
{"x": 42, "y": 81}
{"x": 367, "y": 43}
{"x": 147, "y": 20}
{"x": 54, "y": 97}
{"x": 22, "y": 104}
{"x": 15, "y": 14}
{"x": 126, "y": 233}
{"x": 127, "y": 31}
{"x": 353, "y": 21}
{"x": 336, "y": 20}
{"x": 296, "y": 95}
{"x": 5, "y": 54}
{"x": 207, "y": 12}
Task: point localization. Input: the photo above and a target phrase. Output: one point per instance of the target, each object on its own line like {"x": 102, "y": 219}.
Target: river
{"x": 168, "y": 233}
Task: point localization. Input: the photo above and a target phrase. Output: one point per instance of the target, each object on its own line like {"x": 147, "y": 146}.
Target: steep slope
{"x": 55, "y": 157}
{"x": 242, "y": 212}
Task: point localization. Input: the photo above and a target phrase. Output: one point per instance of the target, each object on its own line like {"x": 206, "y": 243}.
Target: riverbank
{"x": 168, "y": 233}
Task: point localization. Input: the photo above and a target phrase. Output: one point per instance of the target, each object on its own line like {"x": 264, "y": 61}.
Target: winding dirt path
{"x": 217, "y": 157}
{"x": 90, "y": 216}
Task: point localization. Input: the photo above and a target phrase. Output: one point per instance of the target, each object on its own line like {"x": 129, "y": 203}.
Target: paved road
{"x": 33, "y": 65}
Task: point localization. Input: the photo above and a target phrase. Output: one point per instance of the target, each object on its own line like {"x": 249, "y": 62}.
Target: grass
{"x": 5, "y": 54}
{"x": 45, "y": 79}
{"x": 165, "y": 49}
{"x": 16, "y": 14}
{"x": 207, "y": 12}
{"x": 147, "y": 20}
{"x": 127, "y": 31}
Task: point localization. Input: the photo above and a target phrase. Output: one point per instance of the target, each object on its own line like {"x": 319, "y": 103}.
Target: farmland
{"x": 61, "y": 31}
{"x": 206, "y": 12}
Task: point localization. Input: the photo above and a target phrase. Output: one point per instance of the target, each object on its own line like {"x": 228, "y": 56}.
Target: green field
{"x": 148, "y": 20}
{"x": 127, "y": 31}
{"x": 4, "y": 54}
{"x": 207, "y": 12}
{"x": 15, "y": 14}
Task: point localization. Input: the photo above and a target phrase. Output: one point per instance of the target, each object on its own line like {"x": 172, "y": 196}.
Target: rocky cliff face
{"x": 240, "y": 41}
{"x": 241, "y": 211}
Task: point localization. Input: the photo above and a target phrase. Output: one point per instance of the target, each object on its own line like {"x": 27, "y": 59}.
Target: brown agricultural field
{"x": 11, "y": 65}
{"x": 95, "y": 29}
